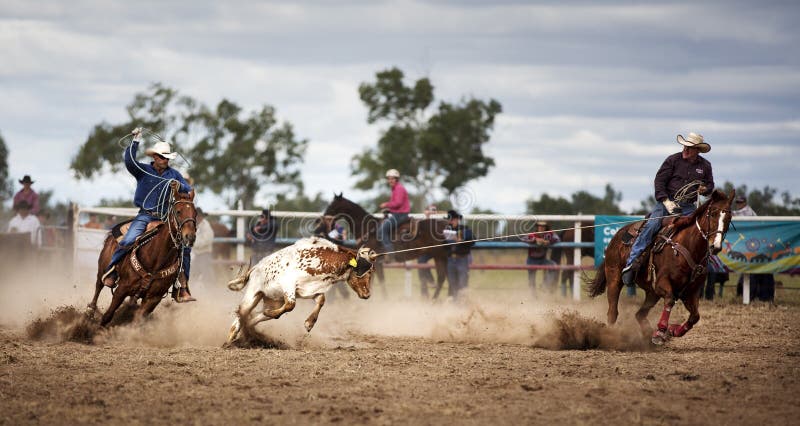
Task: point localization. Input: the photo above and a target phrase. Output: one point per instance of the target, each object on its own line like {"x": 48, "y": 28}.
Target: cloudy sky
{"x": 592, "y": 92}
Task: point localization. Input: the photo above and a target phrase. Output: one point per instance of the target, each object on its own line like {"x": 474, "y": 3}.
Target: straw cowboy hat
{"x": 26, "y": 179}
{"x": 693, "y": 140}
{"x": 163, "y": 149}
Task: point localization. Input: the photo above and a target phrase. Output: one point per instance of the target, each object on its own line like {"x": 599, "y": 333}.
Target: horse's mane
{"x": 685, "y": 221}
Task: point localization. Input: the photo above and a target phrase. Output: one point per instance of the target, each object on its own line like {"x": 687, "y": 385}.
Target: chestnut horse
{"x": 676, "y": 272}
{"x": 429, "y": 232}
{"x": 151, "y": 267}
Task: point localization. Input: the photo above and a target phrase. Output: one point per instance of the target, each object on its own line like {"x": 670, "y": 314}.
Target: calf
{"x": 306, "y": 269}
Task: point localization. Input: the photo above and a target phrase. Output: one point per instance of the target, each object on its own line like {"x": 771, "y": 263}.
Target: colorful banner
{"x": 762, "y": 247}
{"x": 604, "y": 229}
{"x": 759, "y": 247}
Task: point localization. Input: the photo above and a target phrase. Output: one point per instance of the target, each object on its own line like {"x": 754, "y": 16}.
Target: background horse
{"x": 149, "y": 270}
{"x": 568, "y": 236}
{"x": 675, "y": 272}
{"x": 364, "y": 226}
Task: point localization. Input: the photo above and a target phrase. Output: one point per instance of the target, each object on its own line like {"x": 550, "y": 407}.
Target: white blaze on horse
{"x": 306, "y": 270}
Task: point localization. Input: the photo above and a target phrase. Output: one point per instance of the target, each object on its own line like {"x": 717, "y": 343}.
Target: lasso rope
{"x": 684, "y": 193}
{"x": 522, "y": 234}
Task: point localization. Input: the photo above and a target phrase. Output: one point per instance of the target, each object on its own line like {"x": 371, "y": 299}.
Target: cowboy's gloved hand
{"x": 702, "y": 190}
{"x": 672, "y": 207}
{"x": 137, "y": 134}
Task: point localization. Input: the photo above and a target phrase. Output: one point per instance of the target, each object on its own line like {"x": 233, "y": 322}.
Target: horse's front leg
{"x": 312, "y": 319}
{"x": 692, "y": 304}
{"x": 116, "y": 301}
{"x": 146, "y": 308}
{"x": 661, "y": 334}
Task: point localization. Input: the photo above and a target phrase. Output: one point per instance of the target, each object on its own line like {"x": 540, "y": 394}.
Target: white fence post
{"x": 240, "y": 234}
{"x": 576, "y": 274}
{"x": 746, "y": 289}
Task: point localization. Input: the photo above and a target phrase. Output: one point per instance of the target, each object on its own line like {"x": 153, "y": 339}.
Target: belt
{"x": 150, "y": 212}
{"x": 459, "y": 255}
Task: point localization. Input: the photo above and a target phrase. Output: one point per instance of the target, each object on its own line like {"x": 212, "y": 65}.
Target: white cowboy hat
{"x": 163, "y": 149}
{"x": 693, "y": 140}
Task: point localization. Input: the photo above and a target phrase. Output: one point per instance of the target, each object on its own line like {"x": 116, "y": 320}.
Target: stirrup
{"x": 112, "y": 274}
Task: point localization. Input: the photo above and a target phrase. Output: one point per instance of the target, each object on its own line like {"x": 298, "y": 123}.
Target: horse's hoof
{"x": 659, "y": 337}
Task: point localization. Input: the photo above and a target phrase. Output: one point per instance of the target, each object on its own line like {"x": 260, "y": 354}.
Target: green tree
{"x": 766, "y": 202}
{"x": 6, "y": 185}
{"x": 582, "y": 202}
{"x": 432, "y": 150}
{"x": 230, "y": 152}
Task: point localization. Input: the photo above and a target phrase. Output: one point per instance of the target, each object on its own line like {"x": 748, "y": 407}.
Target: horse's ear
{"x": 191, "y": 195}
{"x": 338, "y": 196}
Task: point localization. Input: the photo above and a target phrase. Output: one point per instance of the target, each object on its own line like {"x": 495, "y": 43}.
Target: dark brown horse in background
{"x": 676, "y": 272}
{"x": 151, "y": 267}
{"x": 364, "y": 226}
{"x": 568, "y": 236}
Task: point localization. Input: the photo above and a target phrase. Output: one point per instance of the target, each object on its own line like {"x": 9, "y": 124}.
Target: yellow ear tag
{"x": 352, "y": 262}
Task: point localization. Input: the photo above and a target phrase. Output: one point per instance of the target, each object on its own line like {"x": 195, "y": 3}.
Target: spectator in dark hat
{"x": 539, "y": 242}
{"x": 24, "y": 221}
{"x": 740, "y": 207}
{"x": 460, "y": 236}
{"x": 262, "y": 235}
{"x": 28, "y": 194}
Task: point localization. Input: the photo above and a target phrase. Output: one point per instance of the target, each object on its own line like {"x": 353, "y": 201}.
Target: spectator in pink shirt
{"x": 28, "y": 195}
{"x": 398, "y": 206}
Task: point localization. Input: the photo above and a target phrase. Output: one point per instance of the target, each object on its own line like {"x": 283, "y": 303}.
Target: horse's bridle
{"x": 175, "y": 235}
{"x": 707, "y": 216}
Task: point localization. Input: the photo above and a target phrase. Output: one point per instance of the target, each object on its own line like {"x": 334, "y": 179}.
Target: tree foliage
{"x": 581, "y": 202}
{"x": 6, "y": 186}
{"x": 232, "y": 153}
{"x": 765, "y": 201}
{"x": 431, "y": 149}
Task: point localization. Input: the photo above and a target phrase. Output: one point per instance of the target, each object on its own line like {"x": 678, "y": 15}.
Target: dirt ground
{"x": 498, "y": 358}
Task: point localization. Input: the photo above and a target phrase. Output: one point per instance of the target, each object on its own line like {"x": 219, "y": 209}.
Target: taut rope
{"x": 522, "y": 234}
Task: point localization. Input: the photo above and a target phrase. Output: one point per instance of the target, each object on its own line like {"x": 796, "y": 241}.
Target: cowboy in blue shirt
{"x": 152, "y": 181}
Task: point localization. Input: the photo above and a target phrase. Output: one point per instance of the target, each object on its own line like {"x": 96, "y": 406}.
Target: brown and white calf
{"x": 306, "y": 270}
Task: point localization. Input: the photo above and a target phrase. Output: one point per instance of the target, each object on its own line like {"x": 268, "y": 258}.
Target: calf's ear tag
{"x": 352, "y": 262}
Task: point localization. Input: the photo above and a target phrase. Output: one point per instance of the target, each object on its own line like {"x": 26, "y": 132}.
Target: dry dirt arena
{"x": 498, "y": 358}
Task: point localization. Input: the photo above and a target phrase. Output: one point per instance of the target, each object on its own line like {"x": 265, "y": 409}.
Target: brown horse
{"x": 151, "y": 267}
{"x": 428, "y": 232}
{"x": 675, "y": 272}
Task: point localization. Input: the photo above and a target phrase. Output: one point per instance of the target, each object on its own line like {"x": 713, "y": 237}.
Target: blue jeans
{"x": 550, "y": 276}
{"x": 385, "y": 230}
{"x": 651, "y": 227}
{"x": 457, "y": 274}
{"x": 138, "y": 226}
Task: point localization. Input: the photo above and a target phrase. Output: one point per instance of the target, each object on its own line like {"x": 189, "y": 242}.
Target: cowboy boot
{"x": 110, "y": 278}
{"x": 629, "y": 272}
{"x": 183, "y": 293}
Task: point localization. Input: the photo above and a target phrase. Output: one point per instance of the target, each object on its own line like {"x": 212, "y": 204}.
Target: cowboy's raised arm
{"x": 133, "y": 167}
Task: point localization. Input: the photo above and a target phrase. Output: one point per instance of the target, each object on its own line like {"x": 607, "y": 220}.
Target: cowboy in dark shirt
{"x": 679, "y": 170}
{"x": 458, "y": 263}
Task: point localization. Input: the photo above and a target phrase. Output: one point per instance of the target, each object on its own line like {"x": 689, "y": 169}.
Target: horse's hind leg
{"x": 148, "y": 305}
{"x": 613, "y": 289}
{"x": 441, "y": 274}
{"x": 650, "y": 300}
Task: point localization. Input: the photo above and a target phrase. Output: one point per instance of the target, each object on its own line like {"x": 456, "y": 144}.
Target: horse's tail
{"x": 240, "y": 281}
{"x": 597, "y": 285}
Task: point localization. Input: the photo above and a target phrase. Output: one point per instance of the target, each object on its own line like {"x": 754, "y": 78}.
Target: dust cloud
{"x": 50, "y": 307}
